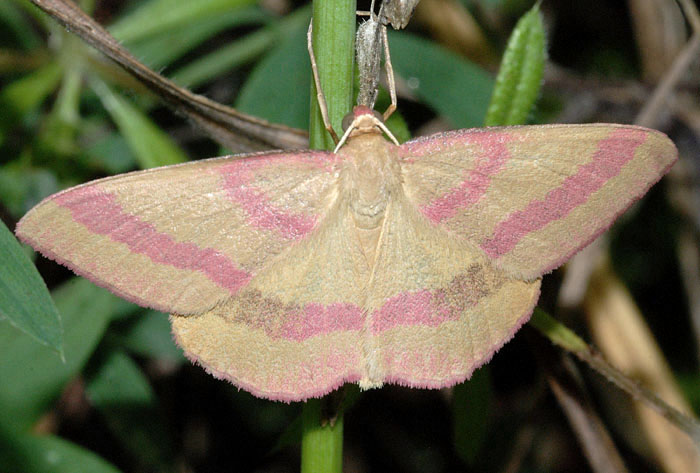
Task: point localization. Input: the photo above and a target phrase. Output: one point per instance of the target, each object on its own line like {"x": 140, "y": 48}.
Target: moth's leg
{"x": 320, "y": 98}
{"x": 391, "y": 84}
{"x": 389, "y": 75}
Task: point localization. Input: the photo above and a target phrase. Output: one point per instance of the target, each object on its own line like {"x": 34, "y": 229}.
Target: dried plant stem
{"x": 567, "y": 339}
{"x": 647, "y": 116}
{"x": 235, "y": 130}
{"x": 691, "y": 13}
{"x": 333, "y": 44}
{"x": 567, "y": 386}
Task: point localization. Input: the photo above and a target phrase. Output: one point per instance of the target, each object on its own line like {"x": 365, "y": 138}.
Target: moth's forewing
{"x": 530, "y": 197}
{"x": 183, "y": 238}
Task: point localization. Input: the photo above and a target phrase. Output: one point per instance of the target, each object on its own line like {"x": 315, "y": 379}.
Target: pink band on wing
{"x": 318, "y": 319}
{"x": 424, "y": 307}
{"x": 607, "y": 162}
{"x": 238, "y": 176}
{"x": 100, "y": 213}
{"x": 494, "y": 154}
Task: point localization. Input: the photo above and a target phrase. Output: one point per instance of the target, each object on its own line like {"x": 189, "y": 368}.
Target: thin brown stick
{"x": 522, "y": 446}
{"x": 649, "y": 113}
{"x": 687, "y": 424}
{"x": 567, "y": 386}
{"x": 560, "y": 335}
{"x": 597, "y": 444}
{"x": 691, "y": 13}
{"x": 233, "y": 129}
{"x": 647, "y": 116}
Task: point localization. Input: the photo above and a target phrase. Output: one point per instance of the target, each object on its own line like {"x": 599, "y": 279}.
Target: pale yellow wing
{"x": 438, "y": 308}
{"x": 532, "y": 196}
{"x": 295, "y": 331}
{"x": 184, "y": 238}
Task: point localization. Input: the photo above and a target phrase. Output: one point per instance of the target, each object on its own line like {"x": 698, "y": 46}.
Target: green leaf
{"x": 151, "y": 146}
{"x": 32, "y": 375}
{"x": 25, "y": 94}
{"x": 689, "y": 382}
{"x": 28, "y": 453}
{"x": 25, "y": 301}
{"x": 520, "y": 76}
{"x": 19, "y": 188}
{"x": 123, "y": 396}
{"x": 278, "y": 88}
{"x": 243, "y": 50}
{"x": 452, "y": 86}
{"x": 321, "y": 445}
{"x": 16, "y": 22}
{"x": 157, "y": 16}
{"x": 149, "y": 334}
{"x": 105, "y": 150}
{"x": 162, "y": 49}
{"x": 471, "y": 408}
{"x": 61, "y": 127}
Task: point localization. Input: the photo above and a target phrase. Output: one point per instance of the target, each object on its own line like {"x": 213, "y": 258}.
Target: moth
{"x": 290, "y": 273}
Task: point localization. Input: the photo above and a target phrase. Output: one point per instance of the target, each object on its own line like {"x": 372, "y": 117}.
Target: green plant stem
{"x": 333, "y": 44}
{"x": 563, "y": 337}
{"x": 321, "y": 445}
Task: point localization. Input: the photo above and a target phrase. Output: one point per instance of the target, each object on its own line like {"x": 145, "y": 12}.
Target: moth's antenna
{"x": 364, "y": 122}
{"x": 343, "y": 139}
{"x": 388, "y": 133}
{"x": 320, "y": 98}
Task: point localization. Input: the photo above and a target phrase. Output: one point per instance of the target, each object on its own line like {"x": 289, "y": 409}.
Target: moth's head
{"x": 362, "y": 120}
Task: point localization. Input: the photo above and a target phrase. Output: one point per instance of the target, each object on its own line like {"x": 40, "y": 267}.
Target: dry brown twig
{"x": 567, "y": 386}
{"x": 235, "y": 130}
{"x": 658, "y": 101}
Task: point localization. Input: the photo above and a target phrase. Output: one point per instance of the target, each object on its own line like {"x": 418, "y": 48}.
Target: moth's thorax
{"x": 370, "y": 175}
